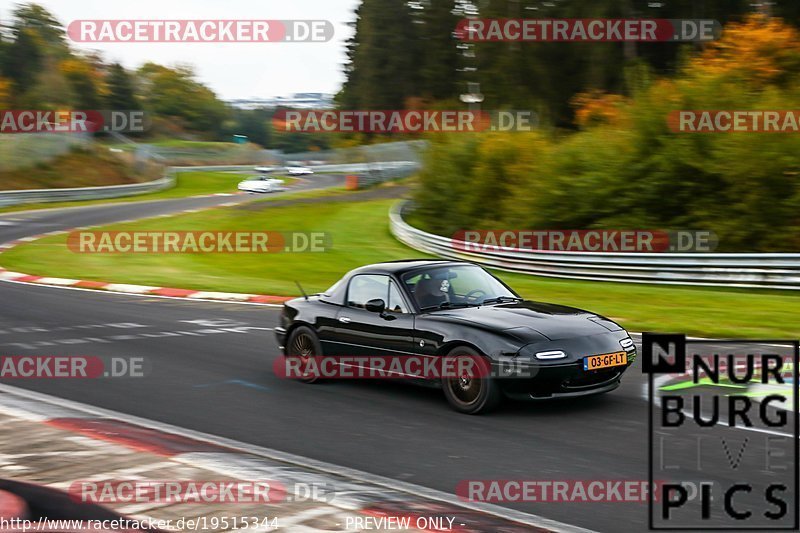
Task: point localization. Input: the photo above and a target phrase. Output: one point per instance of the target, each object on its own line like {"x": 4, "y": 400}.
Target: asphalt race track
{"x": 210, "y": 370}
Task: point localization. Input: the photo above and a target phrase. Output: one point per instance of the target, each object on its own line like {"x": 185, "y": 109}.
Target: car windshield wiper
{"x": 447, "y": 305}
{"x": 501, "y": 299}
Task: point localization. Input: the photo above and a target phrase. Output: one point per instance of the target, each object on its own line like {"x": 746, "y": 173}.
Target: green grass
{"x": 353, "y": 234}
{"x": 360, "y": 235}
{"x": 331, "y": 192}
{"x": 188, "y": 184}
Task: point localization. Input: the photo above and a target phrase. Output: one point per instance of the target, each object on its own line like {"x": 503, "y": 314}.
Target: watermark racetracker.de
{"x": 403, "y": 121}
{"x": 200, "y": 31}
{"x": 587, "y": 30}
{"x": 379, "y": 366}
{"x": 620, "y": 241}
{"x": 74, "y": 121}
{"x": 73, "y": 367}
{"x": 197, "y": 242}
{"x": 734, "y": 121}
{"x": 179, "y": 491}
{"x": 554, "y": 490}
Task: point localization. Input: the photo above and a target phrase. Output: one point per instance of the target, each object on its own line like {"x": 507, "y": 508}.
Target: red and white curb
{"x": 12, "y": 506}
{"x": 345, "y": 489}
{"x": 142, "y": 290}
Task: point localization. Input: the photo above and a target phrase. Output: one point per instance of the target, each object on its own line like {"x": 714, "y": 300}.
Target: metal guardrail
{"x": 750, "y": 270}
{"x": 372, "y": 173}
{"x": 27, "y": 196}
{"x": 371, "y": 153}
{"x": 367, "y": 167}
{"x": 373, "y": 163}
{"x": 378, "y": 171}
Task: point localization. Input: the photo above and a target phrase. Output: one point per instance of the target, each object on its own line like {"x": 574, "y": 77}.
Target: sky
{"x": 232, "y": 70}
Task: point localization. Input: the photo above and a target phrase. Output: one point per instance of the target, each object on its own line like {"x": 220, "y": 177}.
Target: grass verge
{"x": 360, "y": 234}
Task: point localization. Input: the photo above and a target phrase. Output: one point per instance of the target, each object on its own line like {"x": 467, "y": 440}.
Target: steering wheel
{"x": 473, "y": 295}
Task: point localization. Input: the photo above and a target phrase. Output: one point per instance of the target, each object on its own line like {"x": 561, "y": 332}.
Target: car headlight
{"x": 554, "y": 354}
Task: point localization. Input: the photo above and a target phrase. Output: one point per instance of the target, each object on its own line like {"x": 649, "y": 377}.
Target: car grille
{"x": 591, "y": 379}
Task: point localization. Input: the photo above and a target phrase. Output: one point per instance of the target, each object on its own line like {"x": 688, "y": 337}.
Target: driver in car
{"x": 432, "y": 292}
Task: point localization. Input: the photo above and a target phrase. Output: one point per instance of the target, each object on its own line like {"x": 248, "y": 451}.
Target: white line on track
{"x": 59, "y": 404}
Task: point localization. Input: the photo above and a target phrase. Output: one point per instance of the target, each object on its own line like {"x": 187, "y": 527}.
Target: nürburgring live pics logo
{"x": 723, "y": 440}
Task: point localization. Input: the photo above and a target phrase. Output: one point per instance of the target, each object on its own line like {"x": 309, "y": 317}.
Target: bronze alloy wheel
{"x": 303, "y": 344}
{"x": 471, "y": 393}
{"x": 465, "y": 389}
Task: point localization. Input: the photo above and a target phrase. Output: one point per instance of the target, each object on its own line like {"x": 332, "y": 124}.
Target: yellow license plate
{"x": 596, "y": 362}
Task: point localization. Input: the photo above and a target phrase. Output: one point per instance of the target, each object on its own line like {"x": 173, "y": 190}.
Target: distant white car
{"x": 265, "y": 170}
{"x": 299, "y": 171}
{"x": 261, "y": 184}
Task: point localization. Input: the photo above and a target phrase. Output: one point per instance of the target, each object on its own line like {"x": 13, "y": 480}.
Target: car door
{"x": 427, "y": 336}
{"x": 361, "y": 332}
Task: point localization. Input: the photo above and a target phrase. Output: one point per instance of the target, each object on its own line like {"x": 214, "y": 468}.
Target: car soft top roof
{"x": 402, "y": 266}
{"x": 396, "y": 268}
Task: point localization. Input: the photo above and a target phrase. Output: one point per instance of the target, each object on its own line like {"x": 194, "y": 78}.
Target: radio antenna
{"x": 301, "y": 289}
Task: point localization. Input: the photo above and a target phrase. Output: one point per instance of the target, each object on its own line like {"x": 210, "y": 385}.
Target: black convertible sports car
{"x": 451, "y": 309}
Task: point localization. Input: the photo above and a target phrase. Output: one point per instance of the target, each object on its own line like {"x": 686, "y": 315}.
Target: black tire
{"x": 303, "y": 343}
{"x": 472, "y": 395}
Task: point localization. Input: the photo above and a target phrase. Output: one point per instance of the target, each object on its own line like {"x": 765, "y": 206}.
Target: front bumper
{"x": 536, "y": 397}
{"x": 280, "y": 335}
{"x": 562, "y": 381}
{"x": 536, "y": 380}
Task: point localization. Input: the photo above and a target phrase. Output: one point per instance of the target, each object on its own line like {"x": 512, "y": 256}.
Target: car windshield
{"x": 455, "y": 286}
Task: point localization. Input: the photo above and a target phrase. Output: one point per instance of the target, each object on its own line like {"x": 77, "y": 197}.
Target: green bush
{"x": 627, "y": 169}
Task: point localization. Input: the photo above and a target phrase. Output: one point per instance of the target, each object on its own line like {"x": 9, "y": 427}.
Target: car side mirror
{"x": 375, "y": 306}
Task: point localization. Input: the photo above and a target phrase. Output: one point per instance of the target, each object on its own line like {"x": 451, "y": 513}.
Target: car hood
{"x": 527, "y": 320}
